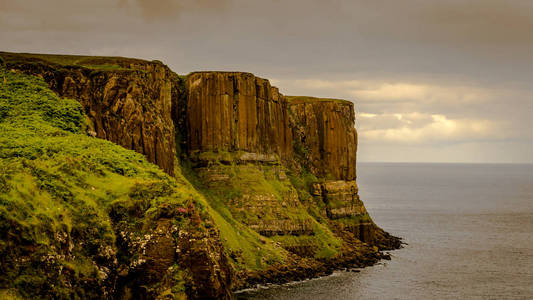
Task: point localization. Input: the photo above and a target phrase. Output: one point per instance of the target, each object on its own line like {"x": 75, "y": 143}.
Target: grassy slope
{"x": 55, "y": 179}
{"x": 246, "y": 248}
{"x": 101, "y": 63}
{"x": 57, "y": 185}
{"x": 252, "y": 179}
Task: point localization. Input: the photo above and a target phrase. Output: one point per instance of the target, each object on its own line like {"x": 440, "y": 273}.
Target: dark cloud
{"x": 453, "y": 22}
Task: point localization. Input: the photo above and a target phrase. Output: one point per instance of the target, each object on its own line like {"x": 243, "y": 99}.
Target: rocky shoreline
{"x": 355, "y": 255}
{"x": 301, "y": 270}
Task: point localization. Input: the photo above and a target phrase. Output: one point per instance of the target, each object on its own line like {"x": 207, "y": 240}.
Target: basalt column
{"x": 232, "y": 111}
{"x": 324, "y": 136}
{"x": 325, "y": 144}
{"x": 239, "y": 139}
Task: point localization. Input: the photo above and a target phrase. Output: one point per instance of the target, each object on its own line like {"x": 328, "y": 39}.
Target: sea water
{"x": 469, "y": 229}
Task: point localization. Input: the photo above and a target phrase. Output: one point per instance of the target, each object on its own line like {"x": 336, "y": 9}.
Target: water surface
{"x": 469, "y": 229}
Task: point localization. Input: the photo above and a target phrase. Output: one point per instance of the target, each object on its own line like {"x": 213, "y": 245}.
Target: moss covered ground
{"x": 255, "y": 194}
{"x": 246, "y": 249}
{"x": 91, "y": 62}
{"x": 64, "y": 195}
{"x": 58, "y": 187}
{"x": 61, "y": 189}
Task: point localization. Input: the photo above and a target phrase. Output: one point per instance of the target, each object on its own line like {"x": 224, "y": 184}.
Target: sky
{"x": 432, "y": 80}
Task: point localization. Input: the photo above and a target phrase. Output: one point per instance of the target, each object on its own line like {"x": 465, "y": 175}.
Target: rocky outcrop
{"x": 258, "y": 195}
{"x": 241, "y": 131}
{"x": 202, "y": 253}
{"x": 247, "y": 119}
{"x": 324, "y": 136}
{"x": 128, "y": 101}
{"x": 341, "y": 198}
{"x": 180, "y": 248}
{"x": 234, "y": 111}
{"x": 325, "y": 144}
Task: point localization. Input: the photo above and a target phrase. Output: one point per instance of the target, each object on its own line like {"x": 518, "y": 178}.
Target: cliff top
{"x": 308, "y": 99}
{"x": 125, "y": 63}
{"x": 90, "y": 62}
{"x": 221, "y": 72}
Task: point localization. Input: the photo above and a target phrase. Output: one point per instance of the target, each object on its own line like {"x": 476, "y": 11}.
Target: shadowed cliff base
{"x": 259, "y": 187}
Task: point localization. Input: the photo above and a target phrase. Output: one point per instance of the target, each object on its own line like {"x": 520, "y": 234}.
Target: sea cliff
{"x": 207, "y": 183}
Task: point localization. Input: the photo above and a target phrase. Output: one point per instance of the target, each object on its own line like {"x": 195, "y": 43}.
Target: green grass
{"x": 355, "y": 220}
{"x": 64, "y": 195}
{"x": 227, "y": 198}
{"x": 104, "y": 67}
{"x": 246, "y": 248}
{"x": 98, "y": 63}
{"x": 53, "y": 58}
{"x": 324, "y": 244}
{"x": 59, "y": 188}
{"x": 216, "y": 156}
{"x": 308, "y": 99}
{"x": 10, "y": 295}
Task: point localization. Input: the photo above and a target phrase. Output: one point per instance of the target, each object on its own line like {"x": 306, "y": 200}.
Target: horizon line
{"x": 448, "y": 162}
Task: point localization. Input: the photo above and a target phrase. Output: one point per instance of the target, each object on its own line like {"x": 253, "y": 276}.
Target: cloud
{"x": 468, "y": 152}
{"x": 451, "y": 22}
{"x": 427, "y": 112}
{"x": 381, "y": 95}
{"x": 424, "y": 128}
{"x": 428, "y": 71}
{"x": 102, "y": 16}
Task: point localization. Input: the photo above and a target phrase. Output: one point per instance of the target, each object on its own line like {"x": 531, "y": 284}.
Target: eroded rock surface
{"x": 235, "y": 111}
{"x": 128, "y": 101}
{"x": 325, "y": 144}
{"x": 324, "y": 136}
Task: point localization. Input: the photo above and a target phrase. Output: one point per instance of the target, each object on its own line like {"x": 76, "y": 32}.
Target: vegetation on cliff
{"x": 254, "y": 186}
{"x": 127, "y": 101}
{"x": 70, "y": 204}
{"x": 309, "y": 99}
{"x": 91, "y": 62}
{"x": 64, "y": 196}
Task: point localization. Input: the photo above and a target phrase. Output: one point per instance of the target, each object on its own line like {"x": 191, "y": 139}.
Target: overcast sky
{"x": 432, "y": 80}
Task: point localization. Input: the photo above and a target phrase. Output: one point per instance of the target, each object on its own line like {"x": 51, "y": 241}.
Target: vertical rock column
{"x": 324, "y": 136}
{"x": 233, "y": 111}
{"x": 325, "y": 142}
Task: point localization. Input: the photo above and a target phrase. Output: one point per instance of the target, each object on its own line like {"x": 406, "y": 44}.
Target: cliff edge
{"x": 252, "y": 187}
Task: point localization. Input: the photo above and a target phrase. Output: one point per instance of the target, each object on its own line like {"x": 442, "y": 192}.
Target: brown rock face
{"x": 236, "y": 112}
{"x": 341, "y": 198}
{"x": 324, "y": 136}
{"x": 155, "y": 254}
{"x": 325, "y": 143}
{"x": 261, "y": 197}
{"x": 129, "y": 104}
{"x": 252, "y": 150}
{"x": 244, "y": 120}
{"x": 203, "y": 255}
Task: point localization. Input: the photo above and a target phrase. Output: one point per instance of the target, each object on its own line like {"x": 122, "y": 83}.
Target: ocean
{"x": 469, "y": 229}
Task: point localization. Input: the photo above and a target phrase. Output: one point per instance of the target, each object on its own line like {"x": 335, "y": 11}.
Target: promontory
{"x": 120, "y": 179}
